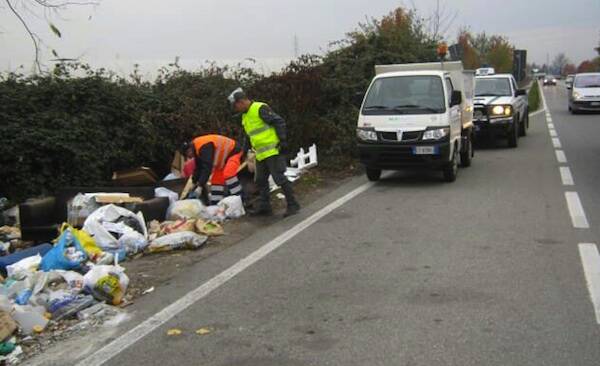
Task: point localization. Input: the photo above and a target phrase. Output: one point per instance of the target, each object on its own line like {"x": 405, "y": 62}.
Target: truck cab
{"x": 501, "y": 108}
{"x": 415, "y": 116}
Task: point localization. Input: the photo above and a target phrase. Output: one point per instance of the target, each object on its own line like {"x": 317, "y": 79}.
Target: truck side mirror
{"x": 521, "y": 92}
{"x": 569, "y": 87}
{"x": 456, "y": 98}
{"x": 357, "y": 99}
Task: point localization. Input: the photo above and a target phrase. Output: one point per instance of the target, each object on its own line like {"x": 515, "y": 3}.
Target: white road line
{"x": 566, "y": 176}
{"x": 590, "y": 259}
{"x": 576, "y": 211}
{"x": 560, "y": 156}
{"x": 551, "y": 125}
{"x": 532, "y": 114}
{"x": 549, "y": 119}
{"x": 556, "y": 143}
{"x": 143, "y": 329}
{"x": 552, "y": 133}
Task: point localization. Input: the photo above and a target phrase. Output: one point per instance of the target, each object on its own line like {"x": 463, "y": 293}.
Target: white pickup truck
{"x": 417, "y": 115}
{"x": 501, "y": 108}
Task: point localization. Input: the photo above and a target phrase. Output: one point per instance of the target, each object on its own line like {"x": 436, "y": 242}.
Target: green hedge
{"x": 75, "y": 126}
{"x": 534, "y": 97}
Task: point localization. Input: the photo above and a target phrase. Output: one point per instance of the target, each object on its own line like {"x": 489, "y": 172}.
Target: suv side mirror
{"x": 357, "y": 99}
{"x": 521, "y": 92}
{"x": 456, "y": 98}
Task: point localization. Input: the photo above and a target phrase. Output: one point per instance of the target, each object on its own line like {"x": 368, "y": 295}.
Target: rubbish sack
{"x": 165, "y": 192}
{"x": 234, "y": 207}
{"x": 170, "y": 227}
{"x": 133, "y": 242}
{"x": 87, "y": 242}
{"x": 25, "y": 265}
{"x": 214, "y": 213}
{"x": 73, "y": 279}
{"x": 180, "y": 240}
{"x": 185, "y": 209}
{"x": 209, "y": 228}
{"x": 79, "y": 208}
{"x": 8, "y": 260}
{"x": 109, "y": 223}
{"x": 67, "y": 254}
{"x": 107, "y": 283}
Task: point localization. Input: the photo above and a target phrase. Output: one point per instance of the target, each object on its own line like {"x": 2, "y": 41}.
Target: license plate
{"x": 425, "y": 150}
{"x": 595, "y": 104}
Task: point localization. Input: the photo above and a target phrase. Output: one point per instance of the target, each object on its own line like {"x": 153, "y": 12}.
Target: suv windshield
{"x": 405, "y": 95}
{"x": 587, "y": 81}
{"x": 492, "y": 87}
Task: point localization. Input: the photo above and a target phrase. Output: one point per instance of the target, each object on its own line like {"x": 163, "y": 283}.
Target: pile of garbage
{"x": 78, "y": 281}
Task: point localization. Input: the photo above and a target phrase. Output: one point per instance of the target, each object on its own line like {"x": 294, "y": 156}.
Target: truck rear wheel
{"x": 373, "y": 174}
{"x": 451, "y": 170}
{"x": 466, "y": 157}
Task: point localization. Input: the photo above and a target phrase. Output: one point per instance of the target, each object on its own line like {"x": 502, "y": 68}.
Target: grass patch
{"x": 534, "y": 97}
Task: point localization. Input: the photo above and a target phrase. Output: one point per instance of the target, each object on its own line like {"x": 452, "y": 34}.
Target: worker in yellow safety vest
{"x": 266, "y": 134}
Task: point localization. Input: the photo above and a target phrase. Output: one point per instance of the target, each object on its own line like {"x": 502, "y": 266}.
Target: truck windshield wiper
{"x": 376, "y": 107}
{"x": 414, "y": 106}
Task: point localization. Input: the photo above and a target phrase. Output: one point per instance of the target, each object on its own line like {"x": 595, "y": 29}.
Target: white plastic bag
{"x": 214, "y": 213}
{"x": 234, "y": 207}
{"x": 26, "y": 265}
{"x": 103, "y": 219}
{"x": 179, "y": 240}
{"x": 165, "y": 192}
{"x": 107, "y": 283}
{"x": 186, "y": 209}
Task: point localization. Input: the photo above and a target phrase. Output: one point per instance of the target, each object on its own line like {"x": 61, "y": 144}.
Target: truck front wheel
{"x": 373, "y": 174}
{"x": 513, "y": 134}
{"x": 451, "y": 170}
{"x": 524, "y": 125}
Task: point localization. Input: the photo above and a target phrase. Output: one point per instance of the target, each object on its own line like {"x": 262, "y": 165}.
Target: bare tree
{"x": 559, "y": 63}
{"x": 21, "y": 9}
{"x": 441, "y": 20}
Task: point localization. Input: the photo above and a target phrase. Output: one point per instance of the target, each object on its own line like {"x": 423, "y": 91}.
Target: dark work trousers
{"x": 274, "y": 166}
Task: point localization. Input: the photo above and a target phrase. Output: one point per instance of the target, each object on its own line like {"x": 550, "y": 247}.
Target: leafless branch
{"x": 34, "y": 37}
{"x": 48, "y": 4}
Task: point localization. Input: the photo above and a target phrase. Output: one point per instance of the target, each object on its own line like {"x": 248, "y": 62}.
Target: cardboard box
{"x": 135, "y": 177}
{"x": 7, "y": 325}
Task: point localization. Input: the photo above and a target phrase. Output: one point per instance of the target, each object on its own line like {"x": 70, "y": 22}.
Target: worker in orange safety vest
{"x": 218, "y": 158}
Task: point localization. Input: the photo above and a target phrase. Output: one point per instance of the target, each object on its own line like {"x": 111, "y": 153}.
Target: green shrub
{"x": 534, "y": 97}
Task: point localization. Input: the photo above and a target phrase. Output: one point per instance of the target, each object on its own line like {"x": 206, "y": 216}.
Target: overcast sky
{"x": 118, "y": 33}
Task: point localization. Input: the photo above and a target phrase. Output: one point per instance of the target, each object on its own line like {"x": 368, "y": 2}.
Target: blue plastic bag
{"x": 57, "y": 257}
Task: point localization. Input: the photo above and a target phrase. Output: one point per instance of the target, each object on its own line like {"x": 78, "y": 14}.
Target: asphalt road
{"x": 413, "y": 271}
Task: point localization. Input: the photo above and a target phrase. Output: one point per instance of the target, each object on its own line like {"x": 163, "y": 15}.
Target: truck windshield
{"x": 405, "y": 95}
{"x": 492, "y": 87}
{"x": 587, "y": 81}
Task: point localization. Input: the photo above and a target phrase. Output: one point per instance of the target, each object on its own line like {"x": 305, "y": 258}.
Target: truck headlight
{"x": 501, "y": 111}
{"x": 577, "y": 95}
{"x": 436, "y": 134}
{"x": 366, "y": 135}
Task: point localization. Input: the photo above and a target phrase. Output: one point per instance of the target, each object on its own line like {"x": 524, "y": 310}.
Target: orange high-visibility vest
{"x": 223, "y": 148}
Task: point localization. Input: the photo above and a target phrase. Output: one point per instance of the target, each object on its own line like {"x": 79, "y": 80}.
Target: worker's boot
{"x": 264, "y": 204}
{"x": 292, "y": 205}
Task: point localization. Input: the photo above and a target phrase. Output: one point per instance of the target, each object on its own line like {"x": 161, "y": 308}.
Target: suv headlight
{"x": 436, "y": 134}
{"x": 501, "y": 111}
{"x": 366, "y": 135}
